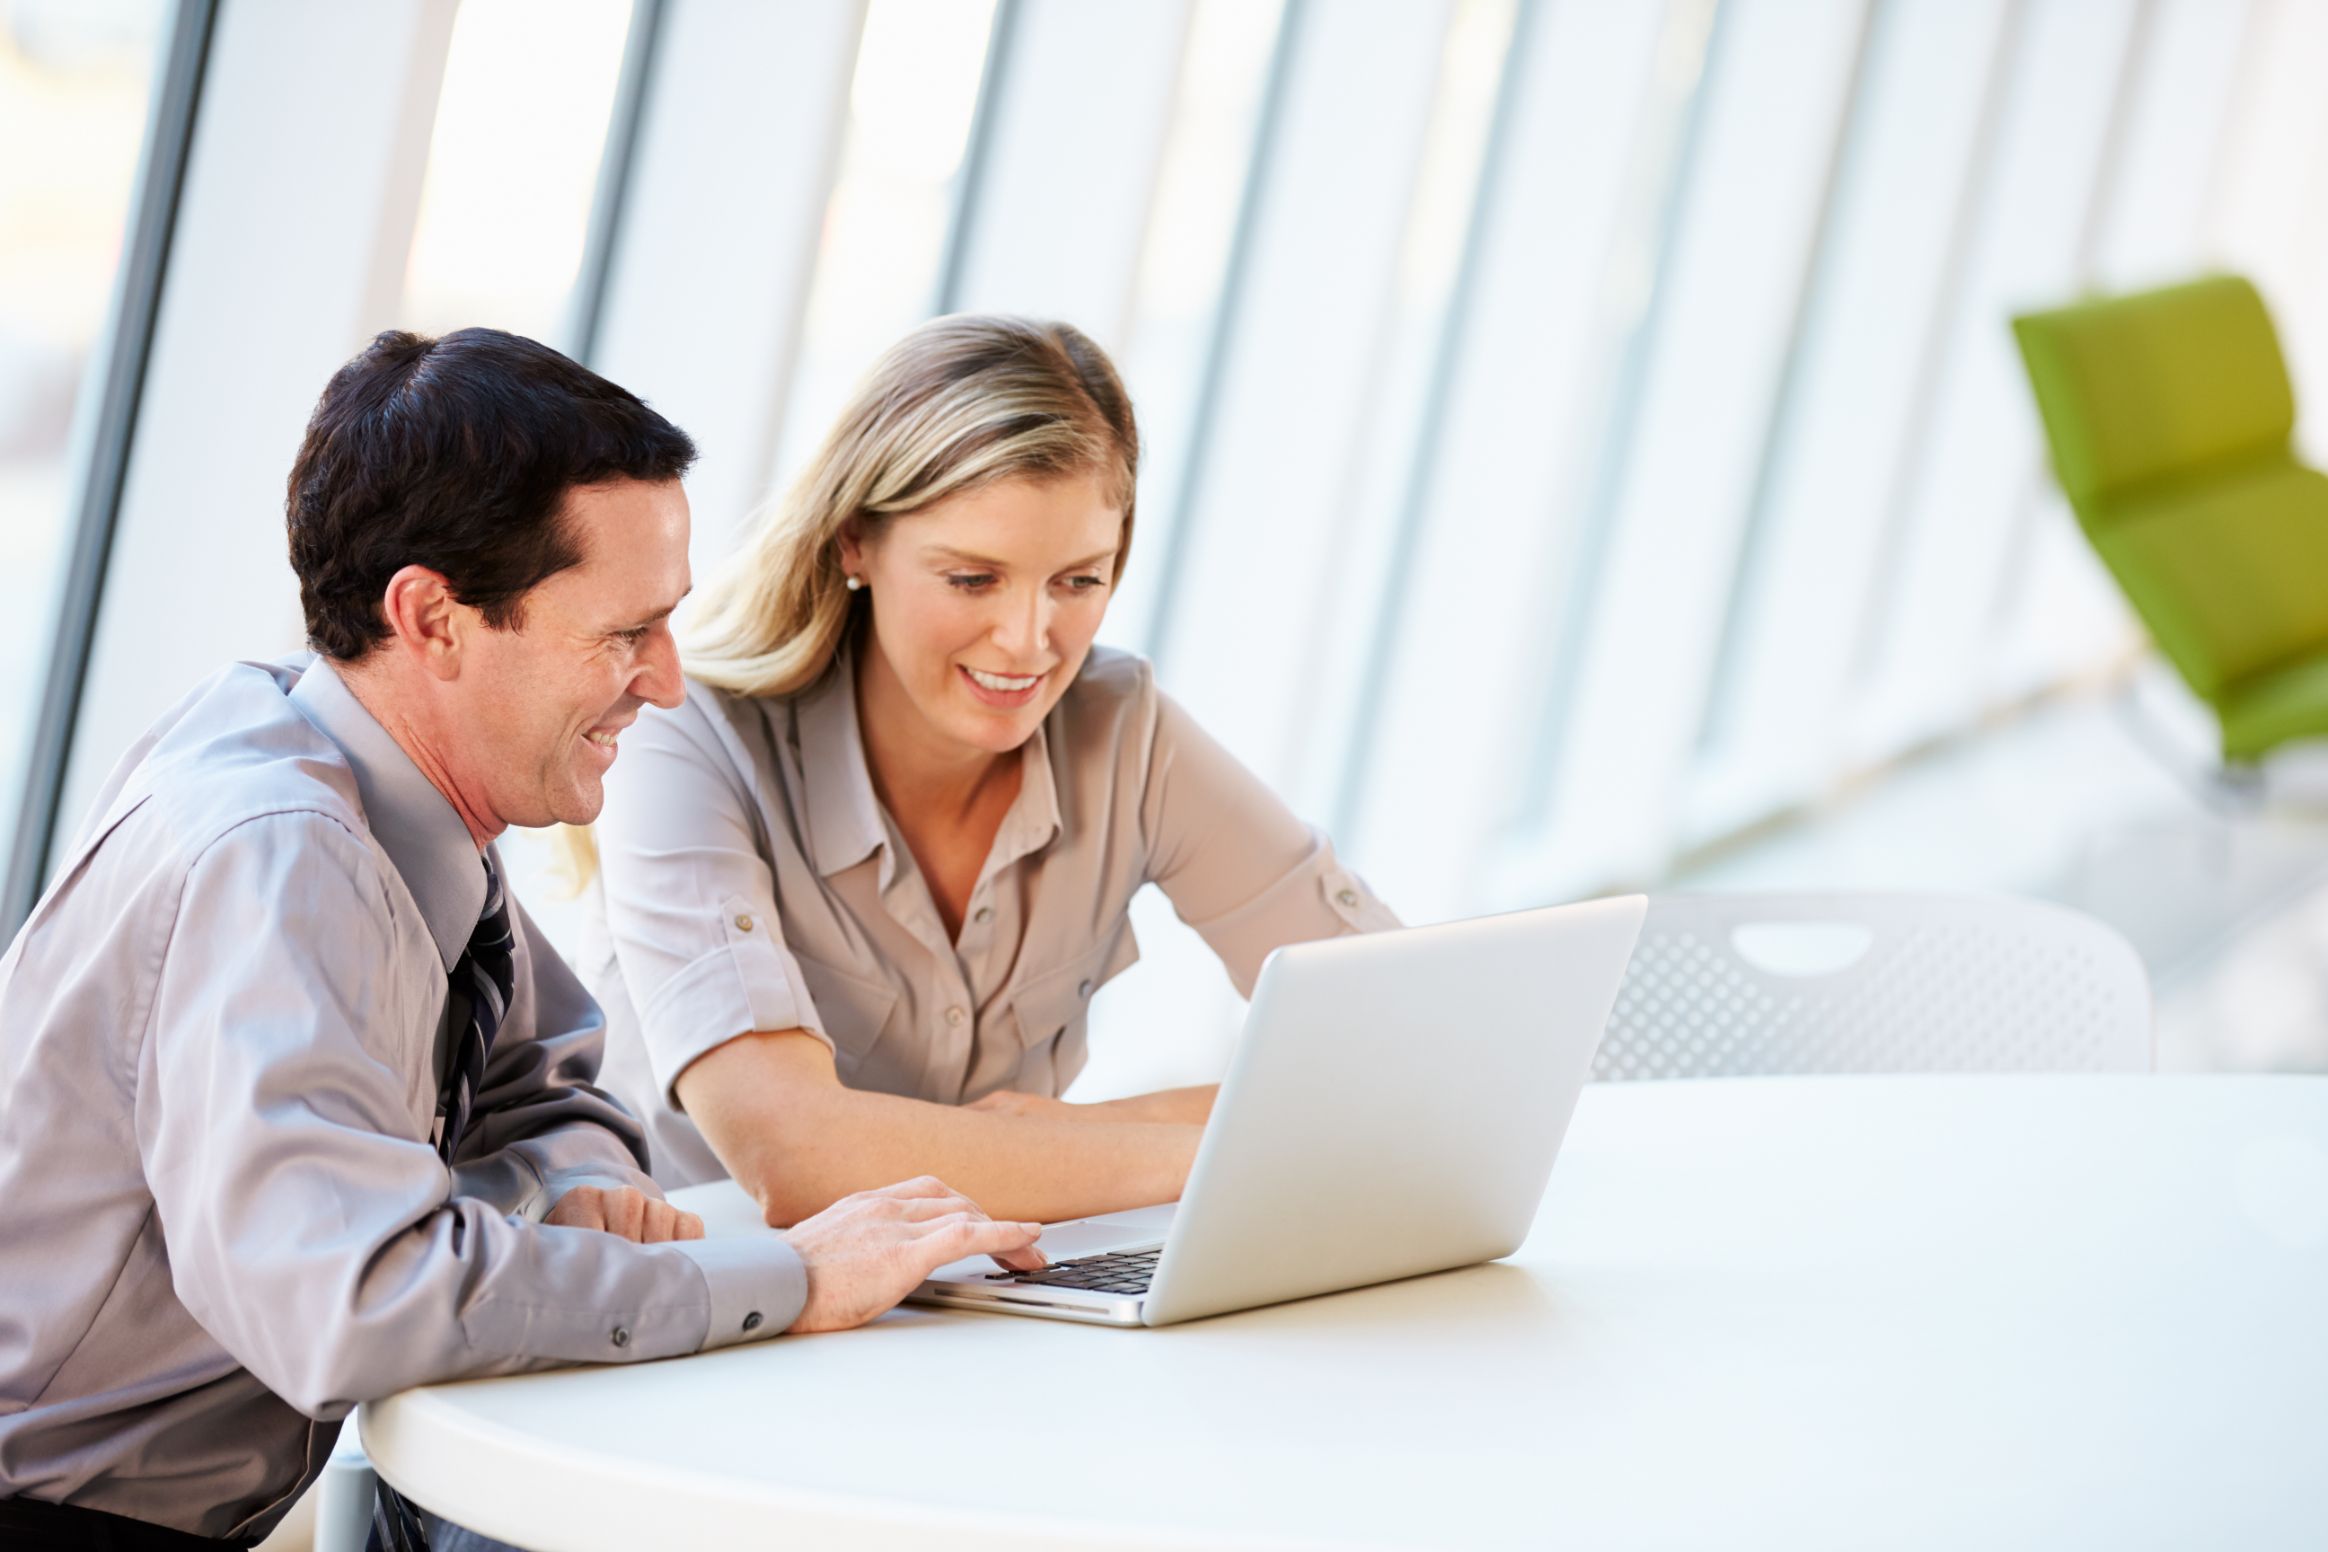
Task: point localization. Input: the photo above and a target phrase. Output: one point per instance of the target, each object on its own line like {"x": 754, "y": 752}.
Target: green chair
{"x": 2170, "y": 420}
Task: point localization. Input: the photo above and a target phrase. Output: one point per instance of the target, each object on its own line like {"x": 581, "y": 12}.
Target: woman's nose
{"x": 1024, "y": 630}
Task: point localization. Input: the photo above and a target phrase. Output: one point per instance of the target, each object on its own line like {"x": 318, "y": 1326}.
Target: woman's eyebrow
{"x": 992, "y": 564}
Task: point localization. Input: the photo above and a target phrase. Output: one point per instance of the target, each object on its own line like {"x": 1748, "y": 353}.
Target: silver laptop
{"x": 1393, "y": 1108}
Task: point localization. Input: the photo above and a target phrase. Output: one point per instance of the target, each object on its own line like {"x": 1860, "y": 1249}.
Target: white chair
{"x": 1760, "y": 984}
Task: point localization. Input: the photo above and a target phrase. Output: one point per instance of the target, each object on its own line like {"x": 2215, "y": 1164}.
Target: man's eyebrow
{"x": 663, "y": 613}
{"x": 996, "y": 565}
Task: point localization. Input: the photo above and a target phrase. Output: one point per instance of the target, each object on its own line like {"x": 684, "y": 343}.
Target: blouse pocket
{"x": 854, "y": 1012}
{"x": 1053, "y": 1003}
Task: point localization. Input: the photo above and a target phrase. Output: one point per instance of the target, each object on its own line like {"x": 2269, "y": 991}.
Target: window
{"x": 513, "y": 164}
{"x": 74, "y": 82}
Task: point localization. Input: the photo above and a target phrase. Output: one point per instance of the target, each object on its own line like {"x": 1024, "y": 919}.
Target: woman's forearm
{"x": 1039, "y": 1168}
{"x": 1189, "y": 1106}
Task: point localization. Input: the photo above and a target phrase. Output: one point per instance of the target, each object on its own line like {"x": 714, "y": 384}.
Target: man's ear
{"x": 425, "y": 622}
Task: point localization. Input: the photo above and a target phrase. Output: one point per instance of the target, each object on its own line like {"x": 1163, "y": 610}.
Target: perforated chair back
{"x": 1748, "y": 984}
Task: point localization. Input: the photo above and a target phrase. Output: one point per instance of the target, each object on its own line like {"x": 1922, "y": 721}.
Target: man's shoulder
{"x": 234, "y": 750}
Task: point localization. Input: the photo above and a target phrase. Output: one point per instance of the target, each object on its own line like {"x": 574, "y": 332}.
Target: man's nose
{"x": 659, "y": 679}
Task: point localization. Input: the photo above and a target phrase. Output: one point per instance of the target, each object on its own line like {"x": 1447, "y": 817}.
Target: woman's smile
{"x": 1003, "y": 691}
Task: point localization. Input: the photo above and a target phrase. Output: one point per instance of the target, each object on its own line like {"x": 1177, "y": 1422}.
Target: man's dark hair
{"x": 455, "y": 454}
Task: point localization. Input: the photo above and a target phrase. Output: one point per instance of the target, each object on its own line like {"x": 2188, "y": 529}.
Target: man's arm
{"x": 540, "y": 1127}
{"x": 282, "y": 1116}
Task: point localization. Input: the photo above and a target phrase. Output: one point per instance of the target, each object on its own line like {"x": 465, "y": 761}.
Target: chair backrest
{"x": 2157, "y": 385}
{"x": 2170, "y": 420}
{"x": 1757, "y": 984}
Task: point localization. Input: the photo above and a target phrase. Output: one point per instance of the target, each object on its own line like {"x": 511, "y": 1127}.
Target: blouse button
{"x": 1084, "y": 991}
{"x": 743, "y": 924}
{"x": 983, "y": 915}
{"x": 954, "y": 1015}
{"x": 1348, "y": 897}
{"x": 619, "y": 1336}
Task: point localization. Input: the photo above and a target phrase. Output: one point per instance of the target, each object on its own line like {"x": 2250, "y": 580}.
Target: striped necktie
{"x": 482, "y": 979}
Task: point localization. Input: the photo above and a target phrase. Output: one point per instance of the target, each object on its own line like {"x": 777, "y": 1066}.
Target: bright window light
{"x": 513, "y": 165}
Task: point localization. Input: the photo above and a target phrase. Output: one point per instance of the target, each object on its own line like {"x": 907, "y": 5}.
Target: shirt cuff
{"x": 757, "y": 1283}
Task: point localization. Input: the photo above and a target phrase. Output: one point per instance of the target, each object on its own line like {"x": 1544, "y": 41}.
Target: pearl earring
{"x": 856, "y": 583}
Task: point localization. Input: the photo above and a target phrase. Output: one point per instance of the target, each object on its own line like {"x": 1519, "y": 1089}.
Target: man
{"x": 295, "y": 1101}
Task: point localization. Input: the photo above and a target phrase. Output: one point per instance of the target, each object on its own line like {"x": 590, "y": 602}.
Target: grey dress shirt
{"x": 751, "y": 880}
{"x": 222, "y": 1222}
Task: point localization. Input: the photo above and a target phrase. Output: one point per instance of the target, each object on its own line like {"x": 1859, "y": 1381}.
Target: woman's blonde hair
{"x": 961, "y": 402}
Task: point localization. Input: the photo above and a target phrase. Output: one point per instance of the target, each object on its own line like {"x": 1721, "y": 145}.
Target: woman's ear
{"x": 852, "y": 549}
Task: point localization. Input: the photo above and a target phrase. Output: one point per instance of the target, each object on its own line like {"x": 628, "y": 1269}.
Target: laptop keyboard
{"x": 1119, "y": 1271}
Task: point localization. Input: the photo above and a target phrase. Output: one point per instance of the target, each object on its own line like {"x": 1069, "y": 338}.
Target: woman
{"x": 858, "y": 890}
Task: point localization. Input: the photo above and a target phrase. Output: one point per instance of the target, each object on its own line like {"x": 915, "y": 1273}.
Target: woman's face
{"x": 984, "y": 606}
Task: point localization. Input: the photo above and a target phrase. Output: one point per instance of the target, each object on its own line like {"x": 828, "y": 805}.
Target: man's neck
{"x": 411, "y": 733}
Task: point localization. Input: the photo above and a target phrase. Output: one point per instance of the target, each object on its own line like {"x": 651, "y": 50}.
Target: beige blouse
{"x": 750, "y": 880}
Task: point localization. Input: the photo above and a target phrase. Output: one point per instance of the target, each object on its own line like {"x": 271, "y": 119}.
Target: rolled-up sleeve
{"x": 1236, "y": 863}
{"x": 316, "y": 1237}
{"x": 690, "y": 900}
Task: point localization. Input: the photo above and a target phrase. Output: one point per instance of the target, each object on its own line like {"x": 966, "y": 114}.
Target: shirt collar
{"x": 413, "y": 822}
{"x": 1033, "y": 820}
{"x": 844, "y": 816}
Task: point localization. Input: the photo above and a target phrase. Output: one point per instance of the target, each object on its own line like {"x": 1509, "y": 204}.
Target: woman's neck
{"x": 918, "y": 776}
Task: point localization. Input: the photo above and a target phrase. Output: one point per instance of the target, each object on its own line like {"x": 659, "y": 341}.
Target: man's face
{"x": 536, "y": 708}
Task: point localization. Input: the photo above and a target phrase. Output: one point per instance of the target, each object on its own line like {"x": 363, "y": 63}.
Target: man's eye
{"x": 970, "y": 581}
{"x": 633, "y": 636}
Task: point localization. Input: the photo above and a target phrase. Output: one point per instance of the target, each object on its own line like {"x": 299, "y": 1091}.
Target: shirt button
{"x": 983, "y": 915}
{"x": 743, "y": 924}
{"x": 1348, "y": 897}
{"x": 752, "y": 1321}
{"x": 1084, "y": 990}
{"x": 955, "y": 1015}
{"x": 620, "y": 1336}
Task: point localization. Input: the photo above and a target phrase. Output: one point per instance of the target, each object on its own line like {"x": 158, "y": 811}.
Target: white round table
{"x": 1848, "y": 1312}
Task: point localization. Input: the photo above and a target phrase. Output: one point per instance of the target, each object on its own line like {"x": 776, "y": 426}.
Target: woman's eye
{"x": 971, "y": 582}
{"x": 1085, "y": 584}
